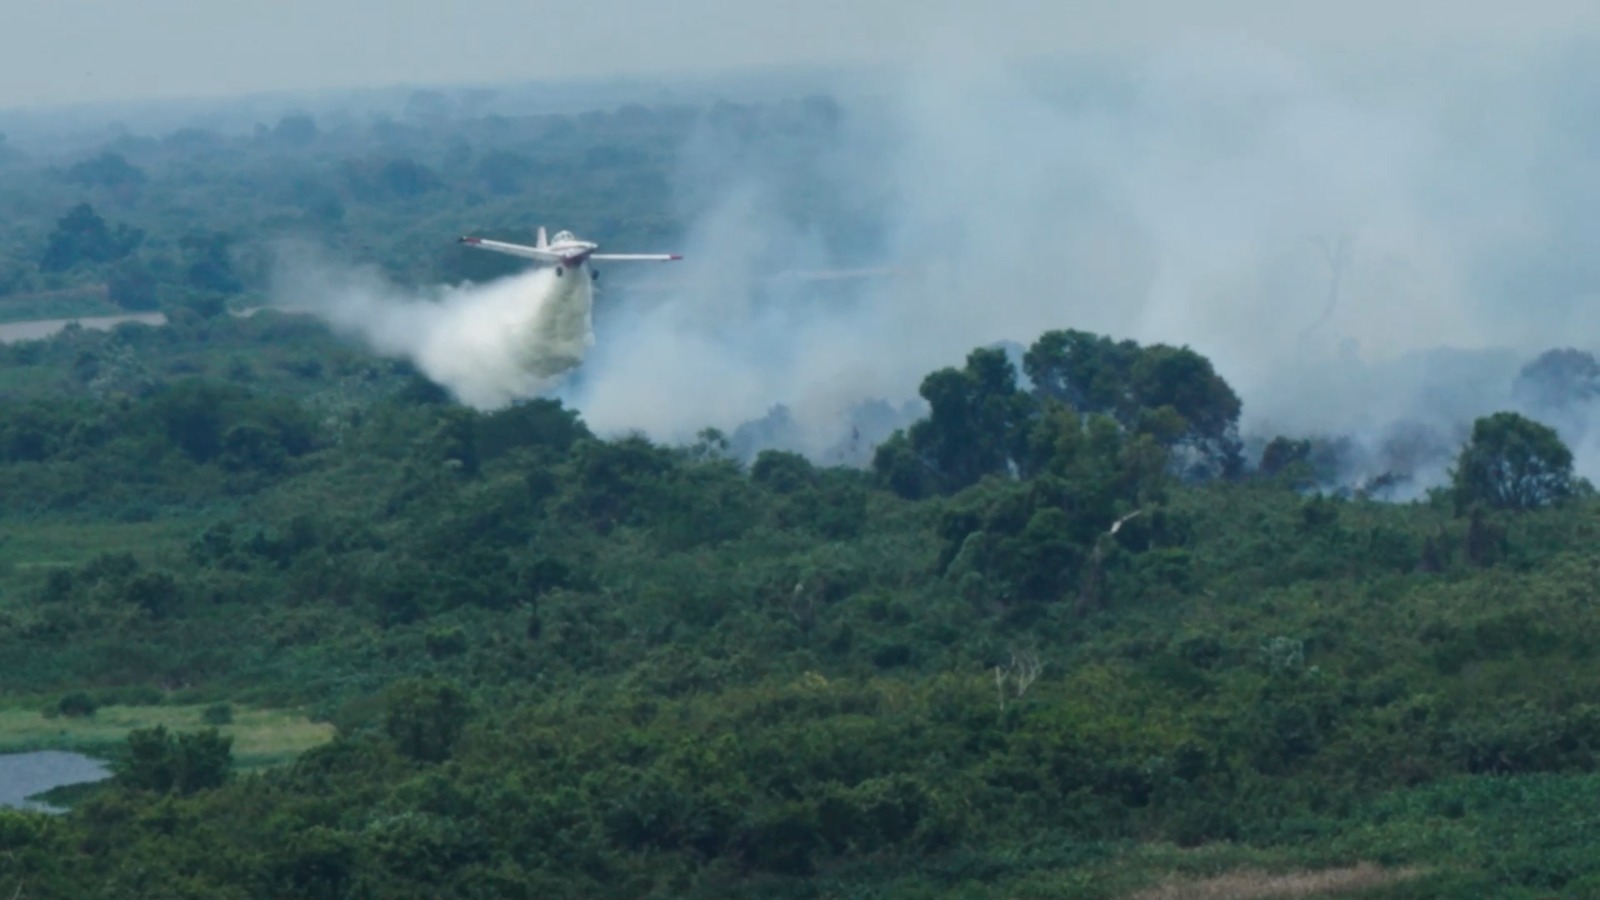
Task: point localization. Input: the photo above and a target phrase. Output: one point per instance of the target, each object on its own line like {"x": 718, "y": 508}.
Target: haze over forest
{"x": 1083, "y": 453}
{"x": 1365, "y": 237}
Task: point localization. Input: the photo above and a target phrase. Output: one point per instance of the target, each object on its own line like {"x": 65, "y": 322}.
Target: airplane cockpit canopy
{"x": 562, "y": 236}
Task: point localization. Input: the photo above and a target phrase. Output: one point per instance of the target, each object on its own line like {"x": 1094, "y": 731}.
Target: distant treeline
{"x": 192, "y": 217}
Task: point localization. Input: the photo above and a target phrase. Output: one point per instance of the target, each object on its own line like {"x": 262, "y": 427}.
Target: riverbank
{"x": 261, "y": 737}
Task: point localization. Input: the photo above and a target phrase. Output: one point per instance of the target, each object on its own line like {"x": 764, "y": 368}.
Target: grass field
{"x": 30, "y": 549}
{"x": 1248, "y": 884}
{"x": 261, "y": 737}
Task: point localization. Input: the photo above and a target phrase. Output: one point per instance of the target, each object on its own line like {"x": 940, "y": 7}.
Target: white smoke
{"x": 1197, "y": 197}
{"x": 489, "y": 344}
{"x": 1200, "y": 200}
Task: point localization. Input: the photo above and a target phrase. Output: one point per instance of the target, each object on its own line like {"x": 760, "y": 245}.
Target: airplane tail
{"x": 543, "y": 241}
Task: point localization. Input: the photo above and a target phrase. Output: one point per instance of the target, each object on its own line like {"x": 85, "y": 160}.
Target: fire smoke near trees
{"x": 1371, "y": 255}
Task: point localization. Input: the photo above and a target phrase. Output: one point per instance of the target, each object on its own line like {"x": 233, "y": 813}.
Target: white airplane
{"x": 565, "y": 252}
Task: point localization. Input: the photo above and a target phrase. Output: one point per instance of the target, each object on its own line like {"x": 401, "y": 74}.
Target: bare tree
{"x": 1025, "y": 670}
{"x": 1021, "y": 673}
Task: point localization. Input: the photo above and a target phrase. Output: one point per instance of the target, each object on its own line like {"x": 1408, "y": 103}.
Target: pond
{"x": 24, "y": 775}
{"x": 38, "y": 329}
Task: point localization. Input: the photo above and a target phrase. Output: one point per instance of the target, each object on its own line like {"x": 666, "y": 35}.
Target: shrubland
{"x": 1044, "y": 635}
{"x": 1064, "y": 637}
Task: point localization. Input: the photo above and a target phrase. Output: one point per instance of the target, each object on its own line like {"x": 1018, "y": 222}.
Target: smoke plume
{"x": 1367, "y": 251}
{"x": 1366, "y": 254}
{"x": 488, "y": 344}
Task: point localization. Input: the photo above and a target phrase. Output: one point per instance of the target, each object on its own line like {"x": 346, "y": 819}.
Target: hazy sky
{"x": 65, "y": 51}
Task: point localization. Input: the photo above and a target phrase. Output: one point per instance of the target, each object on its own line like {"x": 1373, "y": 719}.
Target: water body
{"x": 24, "y": 775}
{"x": 39, "y": 329}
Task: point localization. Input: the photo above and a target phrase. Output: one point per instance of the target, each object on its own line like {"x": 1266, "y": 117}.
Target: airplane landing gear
{"x": 558, "y": 271}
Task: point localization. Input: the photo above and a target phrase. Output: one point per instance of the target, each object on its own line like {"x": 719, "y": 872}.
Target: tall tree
{"x": 977, "y": 421}
{"x": 425, "y": 717}
{"x": 1197, "y": 409}
{"x": 1172, "y": 394}
{"x": 1558, "y": 379}
{"x": 1086, "y": 372}
{"x": 1513, "y": 462}
{"x": 210, "y": 262}
{"x": 83, "y": 236}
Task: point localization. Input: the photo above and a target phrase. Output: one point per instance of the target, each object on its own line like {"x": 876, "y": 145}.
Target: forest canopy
{"x": 1065, "y": 633}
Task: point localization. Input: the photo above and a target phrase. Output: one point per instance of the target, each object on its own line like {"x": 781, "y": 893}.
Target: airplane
{"x": 565, "y": 252}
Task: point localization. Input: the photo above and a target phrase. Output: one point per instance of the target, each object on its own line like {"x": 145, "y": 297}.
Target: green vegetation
{"x": 553, "y": 663}
{"x": 261, "y": 737}
{"x": 344, "y": 638}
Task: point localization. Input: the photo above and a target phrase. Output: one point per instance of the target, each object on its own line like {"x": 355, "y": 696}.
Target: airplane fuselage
{"x": 573, "y": 253}
{"x": 565, "y": 252}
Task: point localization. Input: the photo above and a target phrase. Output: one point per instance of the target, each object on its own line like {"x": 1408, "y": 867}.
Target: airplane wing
{"x": 635, "y": 257}
{"x": 526, "y": 252}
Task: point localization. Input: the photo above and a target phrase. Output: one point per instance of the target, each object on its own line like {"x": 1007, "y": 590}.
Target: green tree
{"x": 377, "y": 181}
{"x": 318, "y": 200}
{"x": 77, "y": 705}
{"x": 209, "y": 262}
{"x": 109, "y": 169}
{"x": 156, "y": 593}
{"x": 192, "y": 416}
{"x": 1195, "y": 408}
{"x": 976, "y": 424}
{"x": 1171, "y": 393}
{"x": 83, "y": 236}
{"x": 1513, "y": 462}
{"x": 782, "y": 471}
{"x": 251, "y": 447}
{"x": 503, "y": 172}
{"x": 1087, "y": 372}
{"x": 897, "y": 467}
{"x": 1285, "y": 455}
{"x": 454, "y": 440}
{"x": 1036, "y": 541}
{"x": 540, "y": 422}
{"x": 155, "y": 759}
{"x": 131, "y": 286}
{"x": 615, "y": 482}
{"x": 425, "y": 718}
{"x": 16, "y": 277}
